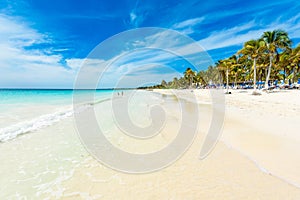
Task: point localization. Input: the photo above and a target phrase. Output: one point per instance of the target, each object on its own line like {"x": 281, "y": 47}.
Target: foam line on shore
{"x": 13, "y": 131}
{"x": 259, "y": 166}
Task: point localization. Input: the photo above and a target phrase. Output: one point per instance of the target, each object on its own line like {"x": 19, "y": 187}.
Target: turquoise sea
{"x": 40, "y": 148}
{"x": 39, "y": 145}
{"x": 26, "y": 110}
{"x": 34, "y": 128}
{"x": 43, "y": 96}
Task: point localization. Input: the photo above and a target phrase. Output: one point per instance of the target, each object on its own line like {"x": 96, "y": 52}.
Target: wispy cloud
{"x": 17, "y": 33}
{"x": 188, "y": 23}
{"x": 187, "y": 26}
{"x": 27, "y": 68}
{"x": 160, "y": 54}
{"x": 230, "y": 37}
{"x": 136, "y": 16}
{"x": 239, "y": 34}
{"x": 130, "y": 70}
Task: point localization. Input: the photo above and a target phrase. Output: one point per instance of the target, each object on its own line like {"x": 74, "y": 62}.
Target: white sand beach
{"x": 149, "y": 100}
{"x": 257, "y": 156}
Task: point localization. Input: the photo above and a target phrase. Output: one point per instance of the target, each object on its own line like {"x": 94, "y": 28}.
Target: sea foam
{"x": 13, "y": 131}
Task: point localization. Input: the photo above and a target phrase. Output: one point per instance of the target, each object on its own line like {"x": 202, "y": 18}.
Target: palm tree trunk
{"x": 294, "y": 75}
{"x": 235, "y": 80}
{"x": 269, "y": 72}
{"x": 284, "y": 74}
{"x": 254, "y": 78}
{"x": 227, "y": 80}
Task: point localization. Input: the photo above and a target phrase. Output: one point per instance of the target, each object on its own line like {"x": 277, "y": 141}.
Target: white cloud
{"x": 28, "y": 68}
{"x": 187, "y": 26}
{"x": 133, "y": 16}
{"x": 179, "y": 45}
{"x": 230, "y": 37}
{"x": 136, "y": 18}
{"x": 239, "y": 34}
{"x": 135, "y": 75}
{"x": 124, "y": 70}
{"x": 131, "y": 69}
{"x": 188, "y": 23}
{"x": 77, "y": 63}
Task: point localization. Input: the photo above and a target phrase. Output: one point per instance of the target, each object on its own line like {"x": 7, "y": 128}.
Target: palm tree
{"x": 182, "y": 82}
{"x": 222, "y": 70}
{"x": 262, "y": 59}
{"x": 175, "y": 83}
{"x": 226, "y": 63}
{"x": 235, "y": 66}
{"x": 284, "y": 63}
{"x": 253, "y": 49}
{"x": 163, "y": 84}
{"x": 200, "y": 77}
{"x": 295, "y": 61}
{"x": 277, "y": 39}
{"x": 189, "y": 74}
{"x": 262, "y": 65}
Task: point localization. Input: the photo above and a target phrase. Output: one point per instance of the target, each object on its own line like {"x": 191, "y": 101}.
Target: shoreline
{"x": 229, "y": 161}
{"x": 251, "y": 160}
{"x": 272, "y": 117}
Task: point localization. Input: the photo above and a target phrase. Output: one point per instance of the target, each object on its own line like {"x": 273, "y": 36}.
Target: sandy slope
{"x": 258, "y": 157}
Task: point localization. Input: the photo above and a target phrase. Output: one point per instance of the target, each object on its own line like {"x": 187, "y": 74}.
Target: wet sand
{"x": 254, "y": 158}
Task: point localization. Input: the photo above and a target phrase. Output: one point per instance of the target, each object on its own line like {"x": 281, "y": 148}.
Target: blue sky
{"x": 44, "y": 43}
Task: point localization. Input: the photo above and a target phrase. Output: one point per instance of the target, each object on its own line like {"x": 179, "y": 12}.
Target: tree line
{"x": 268, "y": 58}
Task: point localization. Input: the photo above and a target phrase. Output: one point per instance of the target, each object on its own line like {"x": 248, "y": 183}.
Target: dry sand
{"x": 257, "y": 157}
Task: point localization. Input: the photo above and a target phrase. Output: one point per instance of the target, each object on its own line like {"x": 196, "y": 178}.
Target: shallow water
{"x": 40, "y": 148}
{"x": 24, "y": 111}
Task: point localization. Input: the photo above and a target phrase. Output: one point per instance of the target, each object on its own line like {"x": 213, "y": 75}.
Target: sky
{"x": 45, "y": 44}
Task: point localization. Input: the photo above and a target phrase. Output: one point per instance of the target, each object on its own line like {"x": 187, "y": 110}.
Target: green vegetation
{"x": 267, "y": 58}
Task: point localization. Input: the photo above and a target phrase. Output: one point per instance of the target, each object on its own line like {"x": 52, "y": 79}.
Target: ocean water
{"x": 40, "y": 148}
{"x": 23, "y": 110}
